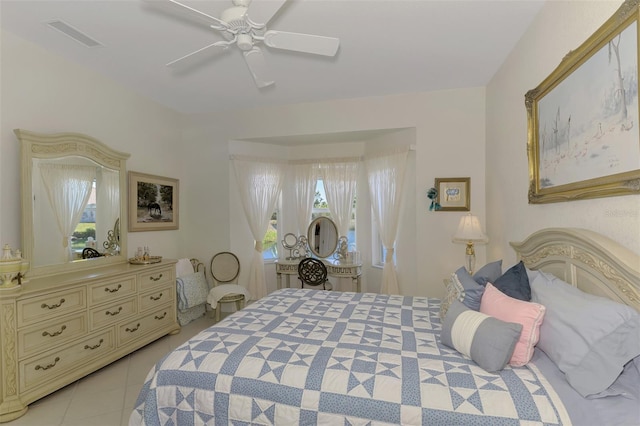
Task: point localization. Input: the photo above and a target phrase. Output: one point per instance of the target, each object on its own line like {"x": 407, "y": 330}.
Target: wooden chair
{"x": 313, "y": 272}
{"x": 89, "y": 253}
{"x": 225, "y": 268}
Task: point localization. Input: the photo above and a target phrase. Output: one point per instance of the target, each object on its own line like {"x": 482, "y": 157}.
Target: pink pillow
{"x": 529, "y": 314}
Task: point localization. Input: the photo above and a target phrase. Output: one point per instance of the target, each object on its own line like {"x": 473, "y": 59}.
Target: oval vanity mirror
{"x": 322, "y": 237}
{"x": 74, "y": 190}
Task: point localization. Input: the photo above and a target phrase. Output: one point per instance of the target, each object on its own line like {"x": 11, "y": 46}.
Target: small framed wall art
{"x": 153, "y": 202}
{"x": 454, "y": 194}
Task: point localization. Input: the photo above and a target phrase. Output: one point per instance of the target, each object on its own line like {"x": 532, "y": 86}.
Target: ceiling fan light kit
{"x": 246, "y": 29}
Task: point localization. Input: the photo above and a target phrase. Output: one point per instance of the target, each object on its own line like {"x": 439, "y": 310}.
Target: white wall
{"x": 560, "y": 27}
{"x": 449, "y": 137}
{"x": 45, "y": 93}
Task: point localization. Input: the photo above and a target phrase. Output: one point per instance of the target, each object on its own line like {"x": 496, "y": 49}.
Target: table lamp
{"x": 470, "y": 232}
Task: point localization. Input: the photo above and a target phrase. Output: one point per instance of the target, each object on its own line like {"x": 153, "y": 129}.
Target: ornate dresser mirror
{"x": 322, "y": 237}
{"x": 66, "y": 176}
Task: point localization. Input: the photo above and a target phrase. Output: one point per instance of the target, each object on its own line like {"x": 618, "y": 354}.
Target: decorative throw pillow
{"x": 515, "y": 283}
{"x": 470, "y": 291}
{"x": 530, "y": 315}
{"x": 488, "y": 341}
{"x": 589, "y": 338}
{"x": 452, "y": 293}
{"x": 488, "y": 273}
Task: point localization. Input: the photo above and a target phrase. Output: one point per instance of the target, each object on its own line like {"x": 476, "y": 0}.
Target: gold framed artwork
{"x": 454, "y": 194}
{"x": 583, "y": 137}
{"x": 153, "y": 202}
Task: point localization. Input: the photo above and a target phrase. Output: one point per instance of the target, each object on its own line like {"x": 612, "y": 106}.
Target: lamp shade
{"x": 469, "y": 230}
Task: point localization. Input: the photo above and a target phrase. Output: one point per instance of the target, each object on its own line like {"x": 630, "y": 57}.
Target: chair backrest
{"x": 312, "y": 271}
{"x": 224, "y": 267}
{"x": 88, "y": 253}
{"x": 196, "y": 264}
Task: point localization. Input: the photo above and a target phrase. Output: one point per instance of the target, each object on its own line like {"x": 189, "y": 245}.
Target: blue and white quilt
{"x": 314, "y": 357}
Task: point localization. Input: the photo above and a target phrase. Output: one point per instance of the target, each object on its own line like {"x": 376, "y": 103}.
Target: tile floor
{"x": 106, "y": 397}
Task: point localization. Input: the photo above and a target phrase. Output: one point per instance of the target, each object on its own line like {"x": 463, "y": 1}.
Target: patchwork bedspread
{"x": 317, "y": 357}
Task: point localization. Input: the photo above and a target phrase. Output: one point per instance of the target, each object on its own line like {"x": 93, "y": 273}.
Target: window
{"x": 321, "y": 208}
{"x": 270, "y": 241}
{"x": 86, "y": 228}
{"x": 378, "y": 250}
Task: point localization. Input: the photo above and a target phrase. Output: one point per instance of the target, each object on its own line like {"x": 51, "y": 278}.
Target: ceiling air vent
{"x": 75, "y": 34}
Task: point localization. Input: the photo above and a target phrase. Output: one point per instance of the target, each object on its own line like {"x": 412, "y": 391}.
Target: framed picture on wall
{"x": 583, "y": 118}
{"x": 153, "y": 202}
{"x": 454, "y": 194}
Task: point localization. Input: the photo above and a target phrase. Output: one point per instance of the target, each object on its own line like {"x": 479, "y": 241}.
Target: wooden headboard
{"x": 585, "y": 259}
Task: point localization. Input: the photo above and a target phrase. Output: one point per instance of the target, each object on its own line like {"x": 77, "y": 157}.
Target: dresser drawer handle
{"x": 156, "y": 298}
{"x": 57, "y": 305}
{"x": 46, "y": 367}
{"x": 94, "y": 346}
{"x": 131, "y": 330}
{"x": 160, "y": 317}
{"x": 110, "y": 290}
{"x": 114, "y": 313}
{"x": 55, "y": 333}
{"x": 156, "y": 279}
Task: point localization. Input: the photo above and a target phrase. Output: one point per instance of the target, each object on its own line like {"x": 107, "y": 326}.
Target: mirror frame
{"x": 37, "y": 145}
{"x": 309, "y": 236}
{"x": 290, "y": 245}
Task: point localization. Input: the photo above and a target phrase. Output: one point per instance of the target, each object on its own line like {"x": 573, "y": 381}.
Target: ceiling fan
{"x": 245, "y": 27}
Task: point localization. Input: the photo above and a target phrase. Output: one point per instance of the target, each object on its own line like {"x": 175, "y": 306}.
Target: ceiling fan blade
{"x": 258, "y": 67}
{"x": 318, "y": 45}
{"x": 220, "y": 44}
{"x": 193, "y": 13}
{"x": 261, "y": 11}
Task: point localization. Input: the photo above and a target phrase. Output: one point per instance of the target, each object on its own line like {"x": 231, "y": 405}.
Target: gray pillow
{"x": 488, "y": 273}
{"x": 470, "y": 292}
{"x": 515, "y": 283}
{"x": 626, "y": 385}
{"x": 488, "y": 341}
{"x": 589, "y": 338}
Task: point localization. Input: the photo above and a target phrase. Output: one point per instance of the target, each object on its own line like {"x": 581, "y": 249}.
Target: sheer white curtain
{"x": 339, "y": 179}
{"x": 68, "y": 188}
{"x": 259, "y": 184}
{"x": 385, "y": 174}
{"x": 304, "y": 191}
{"x": 107, "y": 202}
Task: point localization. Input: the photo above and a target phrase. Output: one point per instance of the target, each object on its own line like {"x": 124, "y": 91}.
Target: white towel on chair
{"x": 183, "y": 267}
{"x": 221, "y": 291}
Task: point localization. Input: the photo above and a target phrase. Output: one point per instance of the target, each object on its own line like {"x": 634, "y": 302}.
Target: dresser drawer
{"x": 158, "y": 297}
{"x": 51, "y": 333}
{"x": 112, "y": 313}
{"x": 52, "y": 305}
{"x": 139, "y": 327}
{"x": 158, "y": 277}
{"x": 109, "y": 290}
{"x": 37, "y": 371}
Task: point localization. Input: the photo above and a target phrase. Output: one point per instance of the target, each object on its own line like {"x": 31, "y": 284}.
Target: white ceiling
{"x": 386, "y": 47}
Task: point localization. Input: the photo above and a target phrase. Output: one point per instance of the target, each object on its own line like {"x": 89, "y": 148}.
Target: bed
{"x": 311, "y": 357}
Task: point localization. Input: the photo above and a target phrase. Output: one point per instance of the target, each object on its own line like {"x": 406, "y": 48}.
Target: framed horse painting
{"x": 454, "y": 194}
{"x": 153, "y": 202}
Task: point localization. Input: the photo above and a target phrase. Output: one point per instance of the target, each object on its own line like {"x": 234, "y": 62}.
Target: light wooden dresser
{"x": 56, "y": 329}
